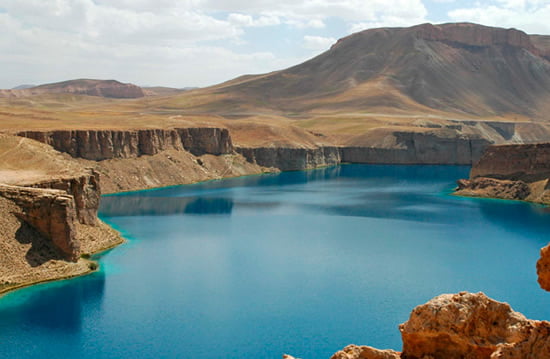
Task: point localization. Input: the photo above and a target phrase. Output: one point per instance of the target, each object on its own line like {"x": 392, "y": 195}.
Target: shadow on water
{"x": 60, "y": 310}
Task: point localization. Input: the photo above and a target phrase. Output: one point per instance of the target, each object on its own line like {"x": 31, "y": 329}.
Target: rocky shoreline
{"x": 514, "y": 172}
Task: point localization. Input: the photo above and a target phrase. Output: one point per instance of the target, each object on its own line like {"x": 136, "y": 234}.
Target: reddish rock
{"x": 543, "y": 268}
{"x": 365, "y": 352}
{"x": 536, "y": 346}
{"x": 463, "y": 325}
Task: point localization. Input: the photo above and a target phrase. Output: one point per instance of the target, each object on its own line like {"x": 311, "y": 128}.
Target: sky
{"x": 196, "y": 43}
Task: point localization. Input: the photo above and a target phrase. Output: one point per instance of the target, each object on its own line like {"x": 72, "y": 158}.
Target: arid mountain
{"x": 101, "y": 88}
{"x": 460, "y": 68}
{"x": 23, "y": 87}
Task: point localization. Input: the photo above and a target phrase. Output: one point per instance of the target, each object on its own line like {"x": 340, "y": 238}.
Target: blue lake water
{"x": 299, "y": 262}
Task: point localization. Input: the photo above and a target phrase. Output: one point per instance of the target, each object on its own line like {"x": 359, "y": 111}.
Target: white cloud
{"x": 527, "y": 15}
{"x": 248, "y": 21}
{"x": 318, "y": 43}
{"x": 171, "y": 41}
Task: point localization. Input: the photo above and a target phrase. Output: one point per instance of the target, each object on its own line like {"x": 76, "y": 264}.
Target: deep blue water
{"x": 300, "y": 262}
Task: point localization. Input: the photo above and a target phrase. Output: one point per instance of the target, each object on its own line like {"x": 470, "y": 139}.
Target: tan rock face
{"x": 100, "y": 145}
{"x": 536, "y": 346}
{"x": 291, "y": 159}
{"x": 84, "y": 189}
{"x": 50, "y": 212}
{"x": 463, "y": 325}
{"x": 519, "y": 172}
{"x": 514, "y": 162}
{"x": 365, "y": 352}
{"x": 543, "y": 268}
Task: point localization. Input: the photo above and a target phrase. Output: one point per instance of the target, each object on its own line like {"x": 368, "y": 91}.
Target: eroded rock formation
{"x": 514, "y": 162}
{"x": 291, "y": 159}
{"x": 463, "y": 325}
{"x": 491, "y": 187}
{"x": 83, "y": 188}
{"x": 51, "y": 212}
{"x": 100, "y": 145}
{"x": 365, "y": 352}
{"x": 475, "y": 35}
{"x": 543, "y": 268}
{"x": 520, "y": 172}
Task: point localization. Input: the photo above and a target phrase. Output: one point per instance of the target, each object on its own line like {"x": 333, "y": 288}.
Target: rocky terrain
{"x": 518, "y": 172}
{"x": 48, "y": 215}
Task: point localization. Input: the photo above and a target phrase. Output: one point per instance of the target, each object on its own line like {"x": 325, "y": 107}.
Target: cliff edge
{"x": 517, "y": 172}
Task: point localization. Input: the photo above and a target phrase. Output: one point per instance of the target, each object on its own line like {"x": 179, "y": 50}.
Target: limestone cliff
{"x": 419, "y": 148}
{"x": 520, "y": 172}
{"x": 50, "y": 212}
{"x": 100, "y": 145}
{"x": 83, "y": 188}
{"x": 290, "y": 158}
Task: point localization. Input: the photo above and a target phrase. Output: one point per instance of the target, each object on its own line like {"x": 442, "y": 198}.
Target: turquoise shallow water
{"x": 299, "y": 262}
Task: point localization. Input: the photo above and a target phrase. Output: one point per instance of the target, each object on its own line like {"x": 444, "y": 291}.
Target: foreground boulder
{"x": 365, "y": 352}
{"x": 463, "y": 325}
{"x": 543, "y": 268}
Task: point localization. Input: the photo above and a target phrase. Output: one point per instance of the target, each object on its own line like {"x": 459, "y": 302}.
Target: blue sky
{"x": 183, "y": 43}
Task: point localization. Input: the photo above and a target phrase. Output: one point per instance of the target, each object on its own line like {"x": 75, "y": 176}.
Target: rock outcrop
{"x": 51, "y": 212}
{"x": 518, "y": 172}
{"x": 98, "y": 145}
{"x": 543, "y": 268}
{"x": 494, "y": 188}
{"x": 419, "y": 148}
{"x": 463, "y": 325}
{"x": 468, "y": 34}
{"x": 84, "y": 189}
{"x": 535, "y": 346}
{"x": 365, "y": 352}
{"x": 514, "y": 162}
{"x": 291, "y": 159}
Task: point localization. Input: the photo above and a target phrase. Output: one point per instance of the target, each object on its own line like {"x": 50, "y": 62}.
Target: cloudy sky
{"x": 182, "y": 43}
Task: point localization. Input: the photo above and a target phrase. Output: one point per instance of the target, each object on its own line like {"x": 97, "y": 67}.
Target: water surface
{"x": 300, "y": 262}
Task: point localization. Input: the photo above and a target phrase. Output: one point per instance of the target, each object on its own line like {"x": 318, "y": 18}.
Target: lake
{"x": 299, "y": 262}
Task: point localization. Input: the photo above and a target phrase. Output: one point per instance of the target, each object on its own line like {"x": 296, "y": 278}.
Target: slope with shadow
{"x": 460, "y": 68}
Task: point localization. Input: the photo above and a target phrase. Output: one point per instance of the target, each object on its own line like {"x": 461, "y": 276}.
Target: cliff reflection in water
{"x": 163, "y": 206}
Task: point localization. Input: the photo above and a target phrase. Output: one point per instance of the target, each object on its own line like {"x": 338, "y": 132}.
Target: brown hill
{"x": 461, "y": 68}
{"x": 101, "y": 88}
